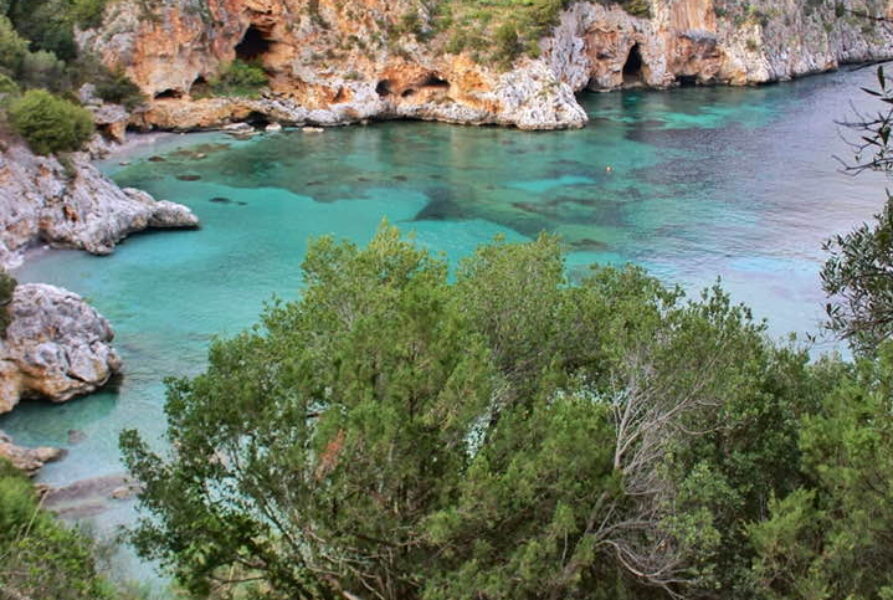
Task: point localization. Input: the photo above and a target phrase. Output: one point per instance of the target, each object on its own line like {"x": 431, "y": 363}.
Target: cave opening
{"x": 383, "y": 88}
{"x": 254, "y": 45}
{"x": 632, "y": 68}
{"x": 435, "y": 81}
{"x": 170, "y": 93}
{"x": 258, "y": 120}
{"x": 686, "y": 80}
{"x": 200, "y": 87}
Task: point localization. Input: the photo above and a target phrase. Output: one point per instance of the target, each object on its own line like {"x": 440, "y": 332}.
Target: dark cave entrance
{"x": 258, "y": 120}
{"x": 383, "y": 88}
{"x": 434, "y": 81}
{"x": 632, "y": 69}
{"x": 168, "y": 94}
{"x": 200, "y": 87}
{"x": 253, "y": 46}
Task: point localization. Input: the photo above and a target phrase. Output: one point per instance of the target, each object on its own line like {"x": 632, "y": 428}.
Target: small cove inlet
{"x": 693, "y": 184}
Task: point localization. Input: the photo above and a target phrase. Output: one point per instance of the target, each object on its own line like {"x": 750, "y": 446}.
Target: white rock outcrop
{"x": 71, "y": 205}
{"x": 56, "y": 347}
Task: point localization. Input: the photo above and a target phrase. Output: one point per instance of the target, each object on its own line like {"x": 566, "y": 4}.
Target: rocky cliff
{"x": 56, "y": 347}
{"x": 70, "y": 204}
{"x": 334, "y": 62}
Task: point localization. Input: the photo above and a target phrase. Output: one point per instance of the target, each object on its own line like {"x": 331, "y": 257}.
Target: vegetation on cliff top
{"x": 38, "y": 52}
{"x": 50, "y": 124}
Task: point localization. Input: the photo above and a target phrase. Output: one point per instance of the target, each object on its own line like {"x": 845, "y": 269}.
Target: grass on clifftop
{"x": 499, "y": 31}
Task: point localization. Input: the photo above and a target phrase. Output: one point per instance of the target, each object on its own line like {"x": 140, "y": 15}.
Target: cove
{"x": 703, "y": 182}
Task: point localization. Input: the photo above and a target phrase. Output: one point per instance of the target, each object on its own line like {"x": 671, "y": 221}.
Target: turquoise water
{"x": 737, "y": 183}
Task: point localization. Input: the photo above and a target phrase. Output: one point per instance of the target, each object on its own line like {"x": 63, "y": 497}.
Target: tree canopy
{"x": 496, "y": 433}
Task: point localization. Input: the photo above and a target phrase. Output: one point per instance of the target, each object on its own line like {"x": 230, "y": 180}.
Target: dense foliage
{"x": 240, "y": 78}
{"x": 38, "y": 52}
{"x": 50, "y": 124}
{"x": 504, "y": 434}
{"x": 40, "y": 558}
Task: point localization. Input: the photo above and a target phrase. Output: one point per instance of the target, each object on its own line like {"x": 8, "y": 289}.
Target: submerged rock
{"x": 71, "y": 205}
{"x": 90, "y": 497}
{"x": 29, "y": 460}
{"x": 56, "y": 347}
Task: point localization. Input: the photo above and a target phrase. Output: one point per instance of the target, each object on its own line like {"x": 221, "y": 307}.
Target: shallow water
{"x": 737, "y": 183}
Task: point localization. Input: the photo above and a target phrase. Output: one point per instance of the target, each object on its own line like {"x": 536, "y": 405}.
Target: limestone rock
{"x": 72, "y": 205}
{"x": 329, "y": 66}
{"x": 56, "y": 347}
{"x": 29, "y": 460}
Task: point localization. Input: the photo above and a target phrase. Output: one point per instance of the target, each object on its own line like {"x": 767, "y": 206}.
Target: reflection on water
{"x": 693, "y": 184}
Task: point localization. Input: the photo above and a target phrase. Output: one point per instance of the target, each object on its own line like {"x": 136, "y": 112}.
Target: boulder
{"x": 56, "y": 347}
{"x": 70, "y": 205}
{"x": 29, "y": 460}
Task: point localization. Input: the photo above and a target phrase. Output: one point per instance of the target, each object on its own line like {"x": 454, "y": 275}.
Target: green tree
{"x": 50, "y": 124}
{"x": 13, "y": 48}
{"x": 395, "y": 434}
{"x": 858, "y": 274}
{"x": 858, "y": 277}
{"x": 42, "y": 69}
{"x": 832, "y": 539}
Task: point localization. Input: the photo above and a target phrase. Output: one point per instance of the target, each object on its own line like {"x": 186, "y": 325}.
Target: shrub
{"x": 47, "y": 25}
{"x": 50, "y": 124}
{"x": 42, "y": 69}
{"x": 13, "y": 48}
{"x": 507, "y": 44}
{"x": 8, "y": 87}
{"x": 7, "y": 287}
{"x": 42, "y": 559}
{"x": 88, "y": 13}
{"x": 118, "y": 88}
{"x": 240, "y": 78}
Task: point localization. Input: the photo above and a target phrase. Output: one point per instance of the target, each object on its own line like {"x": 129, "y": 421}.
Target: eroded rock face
{"x": 334, "y": 62}
{"x": 329, "y": 61}
{"x": 56, "y": 347}
{"x": 29, "y": 460}
{"x": 73, "y": 205}
{"x": 688, "y": 42}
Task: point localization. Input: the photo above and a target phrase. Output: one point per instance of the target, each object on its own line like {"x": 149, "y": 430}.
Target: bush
{"x": 50, "y": 124}
{"x": 118, "y": 88}
{"x": 13, "y": 48}
{"x": 41, "y": 558}
{"x": 507, "y": 44}
{"x": 7, "y": 287}
{"x": 8, "y": 87}
{"x": 88, "y": 13}
{"x": 42, "y": 69}
{"x": 240, "y": 78}
{"x": 47, "y": 25}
